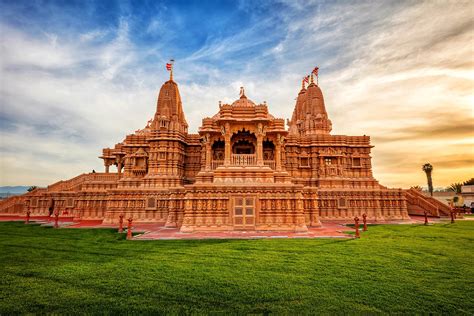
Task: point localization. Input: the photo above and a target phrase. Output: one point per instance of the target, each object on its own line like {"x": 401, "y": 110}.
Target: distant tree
{"x": 455, "y": 187}
{"x": 417, "y": 187}
{"x": 469, "y": 182}
{"x": 32, "y": 188}
{"x": 428, "y": 169}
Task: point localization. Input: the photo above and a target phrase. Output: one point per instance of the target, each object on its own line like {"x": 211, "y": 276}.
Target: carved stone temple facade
{"x": 244, "y": 170}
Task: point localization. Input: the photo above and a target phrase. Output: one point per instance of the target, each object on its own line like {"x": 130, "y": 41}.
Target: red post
{"x": 129, "y": 228}
{"x": 356, "y": 220}
{"x": 56, "y": 218}
{"x": 426, "y": 218}
{"x": 120, "y": 223}
{"x": 452, "y": 217}
{"x": 27, "y": 217}
{"x": 364, "y": 218}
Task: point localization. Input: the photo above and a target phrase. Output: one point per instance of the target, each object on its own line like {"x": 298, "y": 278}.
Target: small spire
{"x": 302, "y": 85}
{"x": 312, "y": 79}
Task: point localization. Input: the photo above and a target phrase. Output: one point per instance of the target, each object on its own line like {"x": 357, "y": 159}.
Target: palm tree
{"x": 428, "y": 169}
{"x": 469, "y": 182}
{"x": 455, "y": 187}
{"x": 32, "y": 188}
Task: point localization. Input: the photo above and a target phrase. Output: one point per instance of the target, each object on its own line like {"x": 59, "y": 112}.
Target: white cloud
{"x": 383, "y": 68}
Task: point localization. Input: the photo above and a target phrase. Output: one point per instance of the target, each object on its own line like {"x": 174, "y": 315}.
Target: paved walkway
{"x": 151, "y": 231}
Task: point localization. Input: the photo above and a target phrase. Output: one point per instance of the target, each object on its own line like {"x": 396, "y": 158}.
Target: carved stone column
{"x": 226, "y": 133}
{"x": 206, "y": 140}
{"x": 260, "y": 134}
{"x": 227, "y": 150}
{"x": 259, "y": 150}
{"x": 119, "y": 169}
{"x": 279, "y": 143}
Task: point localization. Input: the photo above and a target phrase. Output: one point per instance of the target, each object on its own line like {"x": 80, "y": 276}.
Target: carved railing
{"x": 216, "y": 163}
{"x": 270, "y": 163}
{"x": 72, "y": 183}
{"x": 427, "y": 203}
{"x": 243, "y": 160}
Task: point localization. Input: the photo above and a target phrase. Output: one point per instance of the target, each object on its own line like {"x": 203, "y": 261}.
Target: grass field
{"x": 391, "y": 269}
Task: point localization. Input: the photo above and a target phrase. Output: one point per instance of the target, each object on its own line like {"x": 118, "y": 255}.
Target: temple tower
{"x": 310, "y": 116}
{"x": 168, "y": 139}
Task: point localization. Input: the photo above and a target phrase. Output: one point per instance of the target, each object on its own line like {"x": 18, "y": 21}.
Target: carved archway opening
{"x": 268, "y": 150}
{"x": 218, "y": 150}
{"x": 243, "y": 143}
{"x": 244, "y": 147}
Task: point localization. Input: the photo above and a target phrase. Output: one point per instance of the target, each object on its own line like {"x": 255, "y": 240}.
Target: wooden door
{"x": 244, "y": 213}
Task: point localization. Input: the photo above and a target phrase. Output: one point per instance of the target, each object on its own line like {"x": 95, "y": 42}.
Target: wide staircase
{"x": 418, "y": 203}
{"x": 15, "y": 205}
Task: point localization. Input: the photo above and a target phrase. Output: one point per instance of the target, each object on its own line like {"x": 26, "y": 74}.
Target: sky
{"x": 77, "y": 76}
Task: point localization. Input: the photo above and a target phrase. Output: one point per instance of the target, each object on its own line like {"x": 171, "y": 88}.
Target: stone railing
{"x": 427, "y": 203}
{"x": 216, "y": 163}
{"x": 243, "y": 160}
{"x": 270, "y": 163}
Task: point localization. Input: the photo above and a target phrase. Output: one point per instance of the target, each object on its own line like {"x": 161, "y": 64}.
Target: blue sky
{"x": 76, "y": 76}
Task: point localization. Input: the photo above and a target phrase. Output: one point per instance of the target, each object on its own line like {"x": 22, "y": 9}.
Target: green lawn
{"x": 391, "y": 269}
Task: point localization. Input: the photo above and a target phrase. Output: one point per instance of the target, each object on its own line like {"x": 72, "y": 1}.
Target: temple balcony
{"x": 243, "y": 160}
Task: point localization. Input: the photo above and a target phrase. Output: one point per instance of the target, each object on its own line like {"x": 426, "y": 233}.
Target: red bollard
{"x": 27, "y": 217}
{"x": 129, "y": 229}
{"x": 56, "y": 218}
{"x": 120, "y": 223}
{"x": 452, "y": 217}
{"x": 426, "y": 218}
{"x": 356, "y": 219}
{"x": 364, "y": 218}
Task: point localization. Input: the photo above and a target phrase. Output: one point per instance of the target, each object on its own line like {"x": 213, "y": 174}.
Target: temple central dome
{"x": 243, "y": 101}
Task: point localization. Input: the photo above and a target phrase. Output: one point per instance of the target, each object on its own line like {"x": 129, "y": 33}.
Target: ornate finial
{"x": 242, "y": 92}
{"x": 312, "y": 79}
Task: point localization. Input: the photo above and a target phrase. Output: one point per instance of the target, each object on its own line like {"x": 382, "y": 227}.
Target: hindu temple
{"x": 244, "y": 169}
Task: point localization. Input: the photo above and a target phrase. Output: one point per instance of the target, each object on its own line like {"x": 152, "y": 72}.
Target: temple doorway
{"x": 244, "y": 213}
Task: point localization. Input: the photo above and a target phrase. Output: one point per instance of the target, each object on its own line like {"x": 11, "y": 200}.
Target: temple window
{"x": 69, "y": 202}
{"x": 151, "y": 202}
{"x": 356, "y": 163}
{"x": 304, "y": 162}
{"x": 341, "y": 202}
{"x": 328, "y": 161}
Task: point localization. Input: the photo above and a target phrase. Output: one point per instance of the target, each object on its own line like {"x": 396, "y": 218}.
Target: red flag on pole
{"x": 306, "y": 79}
{"x": 315, "y": 71}
{"x": 169, "y": 66}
